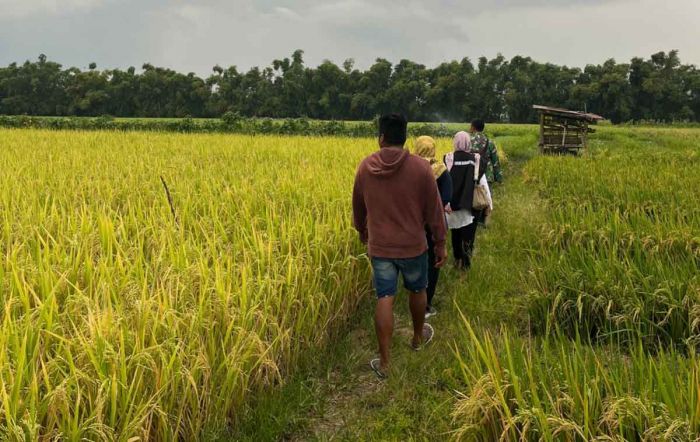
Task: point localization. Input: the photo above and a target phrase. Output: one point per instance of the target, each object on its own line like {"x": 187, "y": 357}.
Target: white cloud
{"x": 191, "y": 35}
{"x": 287, "y": 13}
{"x": 578, "y": 34}
{"x": 13, "y": 9}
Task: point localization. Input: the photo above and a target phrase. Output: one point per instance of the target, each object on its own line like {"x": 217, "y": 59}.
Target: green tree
{"x": 659, "y": 88}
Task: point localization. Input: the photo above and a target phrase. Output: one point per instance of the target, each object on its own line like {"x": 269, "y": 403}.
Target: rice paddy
{"x": 120, "y": 321}
{"x": 612, "y": 304}
{"x": 124, "y": 318}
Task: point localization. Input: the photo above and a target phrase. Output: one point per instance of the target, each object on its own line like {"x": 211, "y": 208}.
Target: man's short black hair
{"x": 393, "y": 127}
{"x": 478, "y": 125}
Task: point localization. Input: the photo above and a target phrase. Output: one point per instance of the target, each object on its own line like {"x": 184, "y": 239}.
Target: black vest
{"x": 462, "y": 174}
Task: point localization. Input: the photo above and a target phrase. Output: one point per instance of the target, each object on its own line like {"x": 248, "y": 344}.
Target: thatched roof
{"x": 575, "y": 115}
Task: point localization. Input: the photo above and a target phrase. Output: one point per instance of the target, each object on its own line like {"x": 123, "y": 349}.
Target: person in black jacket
{"x": 463, "y": 167}
{"x": 425, "y": 148}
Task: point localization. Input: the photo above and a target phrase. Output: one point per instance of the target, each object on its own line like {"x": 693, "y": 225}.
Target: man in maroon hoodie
{"x": 395, "y": 197}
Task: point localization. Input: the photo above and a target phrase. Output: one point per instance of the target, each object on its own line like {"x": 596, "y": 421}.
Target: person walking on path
{"x": 394, "y": 197}
{"x": 425, "y": 148}
{"x": 463, "y": 166}
{"x": 481, "y": 144}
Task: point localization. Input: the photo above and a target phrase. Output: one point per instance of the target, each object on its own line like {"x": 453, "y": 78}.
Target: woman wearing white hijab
{"x": 463, "y": 166}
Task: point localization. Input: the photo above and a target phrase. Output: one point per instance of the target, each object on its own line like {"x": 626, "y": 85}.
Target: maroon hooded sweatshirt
{"x": 395, "y": 197}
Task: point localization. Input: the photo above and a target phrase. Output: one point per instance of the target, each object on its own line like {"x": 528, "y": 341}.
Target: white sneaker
{"x": 430, "y": 311}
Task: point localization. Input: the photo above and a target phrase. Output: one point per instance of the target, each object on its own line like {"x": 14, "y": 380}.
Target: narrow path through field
{"x": 350, "y": 403}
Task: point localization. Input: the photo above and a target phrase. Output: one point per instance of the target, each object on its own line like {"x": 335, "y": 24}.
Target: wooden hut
{"x": 563, "y": 130}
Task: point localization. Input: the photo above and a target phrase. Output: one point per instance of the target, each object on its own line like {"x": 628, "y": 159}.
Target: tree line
{"x": 660, "y": 88}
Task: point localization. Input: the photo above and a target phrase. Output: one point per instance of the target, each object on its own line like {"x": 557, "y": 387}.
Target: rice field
{"x": 557, "y": 389}
{"x": 124, "y": 318}
{"x": 613, "y": 303}
{"x": 120, "y": 322}
{"x": 620, "y": 255}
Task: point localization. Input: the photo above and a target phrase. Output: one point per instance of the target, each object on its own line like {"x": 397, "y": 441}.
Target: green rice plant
{"x": 613, "y": 274}
{"x": 519, "y": 388}
{"x": 118, "y": 323}
{"x": 620, "y": 255}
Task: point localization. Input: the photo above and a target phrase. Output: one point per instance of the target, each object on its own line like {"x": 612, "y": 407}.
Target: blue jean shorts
{"x": 386, "y": 274}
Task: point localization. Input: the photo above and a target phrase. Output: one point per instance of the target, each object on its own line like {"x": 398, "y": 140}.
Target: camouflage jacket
{"x": 493, "y": 168}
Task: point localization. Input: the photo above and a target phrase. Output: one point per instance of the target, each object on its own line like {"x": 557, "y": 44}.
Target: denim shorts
{"x": 386, "y": 274}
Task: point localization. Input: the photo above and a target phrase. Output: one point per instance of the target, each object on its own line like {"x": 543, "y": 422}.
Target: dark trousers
{"x": 433, "y": 272}
{"x": 481, "y": 217}
{"x": 463, "y": 244}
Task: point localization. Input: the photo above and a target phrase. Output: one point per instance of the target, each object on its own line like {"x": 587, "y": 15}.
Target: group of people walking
{"x": 403, "y": 205}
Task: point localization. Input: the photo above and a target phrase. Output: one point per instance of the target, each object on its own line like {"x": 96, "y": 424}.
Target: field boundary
{"x": 229, "y": 123}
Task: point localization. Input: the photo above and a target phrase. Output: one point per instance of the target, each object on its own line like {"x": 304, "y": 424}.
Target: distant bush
{"x": 656, "y": 123}
{"x": 230, "y": 122}
{"x": 231, "y": 119}
{"x": 434, "y": 130}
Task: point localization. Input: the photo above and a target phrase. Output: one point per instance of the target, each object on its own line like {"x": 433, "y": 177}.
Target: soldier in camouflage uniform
{"x": 484, "y": 146}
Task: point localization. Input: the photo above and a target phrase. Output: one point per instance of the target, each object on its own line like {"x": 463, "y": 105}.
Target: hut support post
{"x": 541, "y": 132}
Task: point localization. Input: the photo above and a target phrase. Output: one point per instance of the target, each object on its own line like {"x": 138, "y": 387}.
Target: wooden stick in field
{"x": 170, "y": 200}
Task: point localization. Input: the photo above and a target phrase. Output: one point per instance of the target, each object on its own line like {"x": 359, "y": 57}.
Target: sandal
{"x": 428, "y": 334}
{"x": 375, "y": 365}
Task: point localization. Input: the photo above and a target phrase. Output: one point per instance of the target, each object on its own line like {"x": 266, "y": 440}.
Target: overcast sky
{"x": 196, "y": 35}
